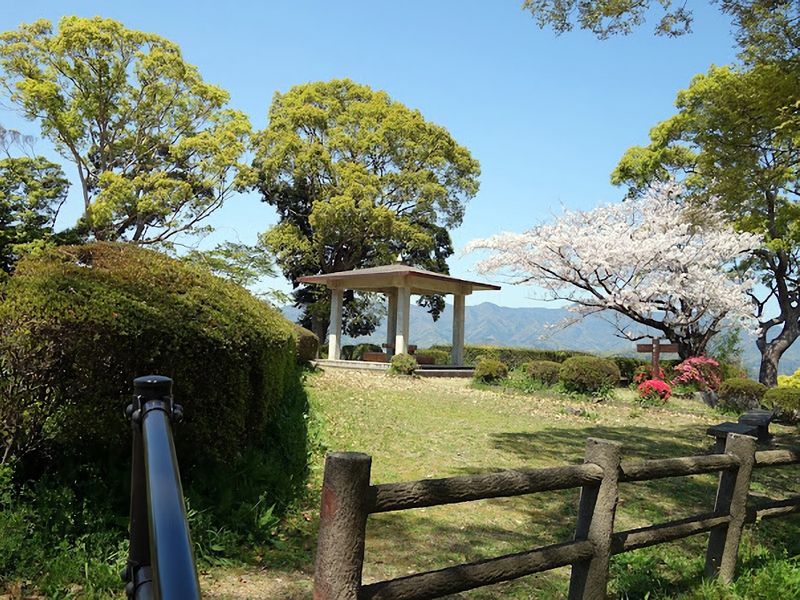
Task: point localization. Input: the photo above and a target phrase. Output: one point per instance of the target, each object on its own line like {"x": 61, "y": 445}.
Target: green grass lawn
{"x": 423, "y": 428}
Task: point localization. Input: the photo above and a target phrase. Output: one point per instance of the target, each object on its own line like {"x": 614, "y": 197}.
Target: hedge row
{"x": 78, "y": 324}
{"x": 511, "y": 357}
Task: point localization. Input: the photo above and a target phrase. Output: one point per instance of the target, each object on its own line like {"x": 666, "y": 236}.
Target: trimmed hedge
{"x": 440, "y": 357}
{"x": 588, "y": 374}
{"x": 490, "y": 370}
{"x": 403, "y": 364}
{"x": 543, "y": 371}
{"x": 785, "y": 401}
{"x": 78, "y": 324}
{"x": 307, "y": 344}
{"x": 741, "y": 394}
{"x": 512, "y": 357}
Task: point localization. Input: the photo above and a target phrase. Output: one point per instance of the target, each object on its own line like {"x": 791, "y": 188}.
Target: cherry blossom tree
{"x": 654, "y": 260}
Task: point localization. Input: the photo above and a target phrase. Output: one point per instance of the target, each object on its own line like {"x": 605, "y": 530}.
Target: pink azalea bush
{"x": 698, "y": 372}
{"x": 654, "y": 392}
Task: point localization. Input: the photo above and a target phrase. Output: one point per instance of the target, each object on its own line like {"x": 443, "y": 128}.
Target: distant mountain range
{"x": 490, "y": 325}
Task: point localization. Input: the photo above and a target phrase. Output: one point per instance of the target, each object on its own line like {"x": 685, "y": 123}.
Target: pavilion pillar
{"x": 459, "y": 312}
{"x": 335, "y": 327}
{"x": 403, "y": 318}
{"x": 391, "y": 323}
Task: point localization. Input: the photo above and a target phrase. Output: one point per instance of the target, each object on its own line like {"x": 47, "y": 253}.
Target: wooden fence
{"x": 348, "y": 498}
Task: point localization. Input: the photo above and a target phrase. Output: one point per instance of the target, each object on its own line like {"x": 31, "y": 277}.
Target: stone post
{"x": 342, "y": 526}
{"x": 596, "y": 513}
{"x": 734, "y": 487}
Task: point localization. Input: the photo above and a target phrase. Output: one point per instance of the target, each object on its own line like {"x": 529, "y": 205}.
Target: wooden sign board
{"x": 661, "y": 347}
{"x": 656, "y": 348}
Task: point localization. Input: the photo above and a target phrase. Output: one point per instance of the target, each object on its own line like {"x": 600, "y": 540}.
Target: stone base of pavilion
{"x": 422, "y": 371}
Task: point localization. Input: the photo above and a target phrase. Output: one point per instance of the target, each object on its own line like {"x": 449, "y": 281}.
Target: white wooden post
{"x": 457, "y": 354}
{"x": 403, "y": 314}
{"x": 335, "y": 327}
{"x": 391, "y": 323}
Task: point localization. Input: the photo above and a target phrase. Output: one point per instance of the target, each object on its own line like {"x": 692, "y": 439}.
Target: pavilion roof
{"x": 392, "y": 277}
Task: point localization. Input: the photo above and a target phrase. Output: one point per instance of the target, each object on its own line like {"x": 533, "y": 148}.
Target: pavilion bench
{"x": 754, "y": 423}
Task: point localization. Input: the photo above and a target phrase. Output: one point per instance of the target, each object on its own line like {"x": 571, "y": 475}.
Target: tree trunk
{"x": 771, "y": 352}
{"x": 319, "y": 327}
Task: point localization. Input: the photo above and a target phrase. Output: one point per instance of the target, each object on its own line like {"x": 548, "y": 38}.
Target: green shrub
{"x": 356, "y": 352}
{"x": 80, "y": 323}
{"x": 403, "y": 364}
{"x": 789, "y": 380}
{"x": 307, "y": 344}
{"x": 440, "y": 357}
{"x": 512, "y": 357}
{"x": 785, "y": 401}
{"x": 741, "y": 394}
{"x": 490, "y": 370}
{"x": 627, "y": 366}
{"x": 588, "y": 374}
{"x": 543, "y": 371}
{"x": 360, "y": 349}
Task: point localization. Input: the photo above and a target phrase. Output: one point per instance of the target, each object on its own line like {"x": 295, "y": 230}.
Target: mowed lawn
{"x": 431, "y": 428}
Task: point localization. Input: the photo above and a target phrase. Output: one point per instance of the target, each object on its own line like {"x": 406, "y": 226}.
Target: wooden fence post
{"x": 734, "y": 487}
{"x": 596, "y": 512}
{"x": 342, "y": 527}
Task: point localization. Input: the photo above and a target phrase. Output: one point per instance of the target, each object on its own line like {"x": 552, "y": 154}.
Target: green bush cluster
{"x": 489, "y": 370}
{"x": 792, "y": 380}
{"x": 512, "y": 357}
{"x": 627, "y": 366}
{"x": 543, "y": 371}
{"x": 403, "y": 364}
{"x": 785, "y": 401}
{"x": 588, "y": 374}
{"x": 741, "y": 394}
{"x": 440, "y": 357}
{"x": 80, "y": 323}
{"x": 307, "y": 344}
{"x": 356, "y": 352}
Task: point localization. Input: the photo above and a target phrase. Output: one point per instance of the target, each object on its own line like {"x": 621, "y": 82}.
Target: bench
{"x": 411, "y": 348}
{"x": 761, "y": 419}
{"x": 754, "y": 423}
{"x": 379, "y": 357}
{"x": 721, "y": 431}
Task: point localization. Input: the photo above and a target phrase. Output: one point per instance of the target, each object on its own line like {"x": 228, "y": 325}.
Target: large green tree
{"x": 32, "y": 190}
{"x": 155, "y": 148}
{"x": 734, "y": 142}
{"x": 357, "y": 178}
{"x": 606, "y": 18}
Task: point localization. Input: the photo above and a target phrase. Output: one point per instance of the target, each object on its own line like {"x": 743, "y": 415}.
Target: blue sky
{"x": 547, "y": 117}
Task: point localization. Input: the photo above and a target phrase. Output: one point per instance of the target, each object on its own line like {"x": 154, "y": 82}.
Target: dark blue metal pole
{"x": 174, "y": 572}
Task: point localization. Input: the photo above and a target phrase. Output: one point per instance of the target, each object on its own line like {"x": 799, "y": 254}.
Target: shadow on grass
{"x": 400, "y": 544}
{"x": 423, "y": 542}
{"x": 566, "y": 446}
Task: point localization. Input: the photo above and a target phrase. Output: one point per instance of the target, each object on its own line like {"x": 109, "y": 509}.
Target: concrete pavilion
{"x": 398, "y": 282}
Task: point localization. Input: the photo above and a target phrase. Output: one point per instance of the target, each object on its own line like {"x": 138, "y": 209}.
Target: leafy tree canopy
{"x": 358, "y": 178}
{"x": 32, "y": 190}
{"x": 735, "y": 139}
{"x": 609, "y": 17}
{"x": 156, "y": 151}
{"x": 606, "y": 18}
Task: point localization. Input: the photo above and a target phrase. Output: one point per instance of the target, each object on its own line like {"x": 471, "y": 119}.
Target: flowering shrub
{"x": 645, "y": 372}
{"x": 699, "y": 372}
{"x": 654, "y": 392}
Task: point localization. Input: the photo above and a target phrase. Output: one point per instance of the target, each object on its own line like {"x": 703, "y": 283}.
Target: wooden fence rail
{"x": 348, "y": 499}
